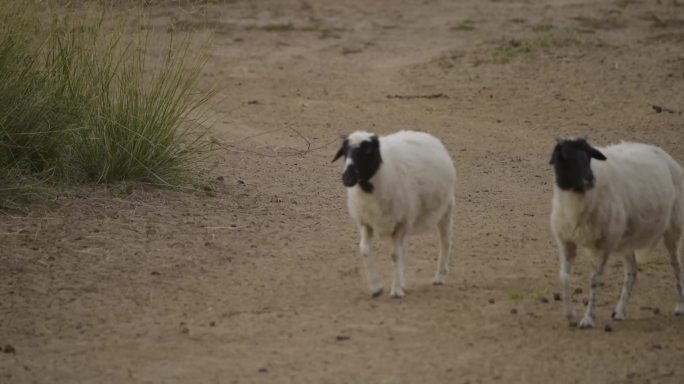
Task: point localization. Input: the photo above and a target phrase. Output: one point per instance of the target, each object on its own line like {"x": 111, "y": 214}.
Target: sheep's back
{"x": 427, "y": 176}
{"x": 643, "y": 177}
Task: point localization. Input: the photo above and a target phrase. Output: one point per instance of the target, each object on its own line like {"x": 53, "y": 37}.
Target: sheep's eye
{"x": 558, "y": 156}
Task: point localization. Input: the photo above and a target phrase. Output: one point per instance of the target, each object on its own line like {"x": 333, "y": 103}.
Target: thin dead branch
{"x": 279, "y": 151}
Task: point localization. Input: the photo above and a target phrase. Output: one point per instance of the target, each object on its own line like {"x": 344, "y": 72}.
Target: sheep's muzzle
{"x": 350, "y": 177}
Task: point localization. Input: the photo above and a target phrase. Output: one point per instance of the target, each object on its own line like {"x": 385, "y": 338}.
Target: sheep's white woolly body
{"x": 413, "y": 191}
{"x": 629, "y": 207}
{"x": 413, "y": 187}
{"x": 638, "y": 197}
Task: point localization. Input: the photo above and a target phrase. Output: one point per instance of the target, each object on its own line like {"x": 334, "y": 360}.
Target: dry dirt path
{"x": 260, "y": 282}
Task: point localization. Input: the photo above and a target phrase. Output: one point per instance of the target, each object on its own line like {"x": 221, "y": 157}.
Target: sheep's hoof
{"x": 398, "y": 295}
{"x": 377, "y": 293}
{"x": 679, "y": 310}
{"x": 618, "y": 317}
{"x": 571, "y": 315}
{"x": 439, "y": 280}
{"x": 586, "y": 323}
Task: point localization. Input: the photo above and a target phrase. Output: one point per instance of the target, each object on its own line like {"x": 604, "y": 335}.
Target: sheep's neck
{"x": 366, "y": 186}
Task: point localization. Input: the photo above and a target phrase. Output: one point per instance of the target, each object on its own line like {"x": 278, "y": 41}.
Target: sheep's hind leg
{"x": 630, "y": 277}
{"x": 589, "y": 320}
{"x": 398, "y": 256}
{"x": 369, "y": 262}
{"x": 674, "y": 241}
{"x": 444, "y": 228}
{"x": 567, "y": 253}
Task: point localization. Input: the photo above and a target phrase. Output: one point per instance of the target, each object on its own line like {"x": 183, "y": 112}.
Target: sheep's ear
{"x": 342, "y": 151}
{"x": 555, "y": 155}
{"x": 375, "y": 141}
{"x": 373, "y": 145}
{"x": 596, "y": 154}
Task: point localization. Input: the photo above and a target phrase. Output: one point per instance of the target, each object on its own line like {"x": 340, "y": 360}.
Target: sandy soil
{"x": 260, "y": 282}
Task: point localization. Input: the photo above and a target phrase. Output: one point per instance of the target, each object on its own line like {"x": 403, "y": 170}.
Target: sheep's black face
{"x": 571, "y": 160}
{"x": 363, "y": 161}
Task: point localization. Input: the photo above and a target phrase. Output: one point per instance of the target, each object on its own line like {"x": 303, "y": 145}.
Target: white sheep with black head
{"x": 398, "y": 185}
{"x": 616, "y": 199}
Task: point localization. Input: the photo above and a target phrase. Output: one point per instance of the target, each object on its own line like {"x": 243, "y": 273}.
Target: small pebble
{"x": 608, "y": 328}
{"x": 578, "y": 291}
{"x": 263, "y": 370}
{"x": 656, "y": 346}
{"x": 212, "y": 323}
{"x": 544, "y": 300}
{"x": 557, "y": 296}
{"x": 491, "y": 301}
{"x": 585, "y": 301}
{"x": 184, "y": 328}
{"x": 656, "y": 311}
{"x": 514, "y": 311}
{"x": 8, "y": 349}
{"x": 342, "y": 338}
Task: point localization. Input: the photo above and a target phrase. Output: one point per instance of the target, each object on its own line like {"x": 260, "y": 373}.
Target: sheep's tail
{"x": 676, "y": 216}
{"x": 678, "y": 209}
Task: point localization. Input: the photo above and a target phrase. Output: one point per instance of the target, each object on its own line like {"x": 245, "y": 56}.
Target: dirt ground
{"x": 259, "y": 281}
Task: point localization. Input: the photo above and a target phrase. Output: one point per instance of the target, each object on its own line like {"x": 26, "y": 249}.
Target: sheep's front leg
{"x": 630, "y": 277}
{"x": 398, "y": 255}
{"x": 369, "y": 262}
{"x": 674, "y": 241}
{"x": 589, "y": 320}
{"x": 567, "y": 253}
{"x": 444, "y": 227}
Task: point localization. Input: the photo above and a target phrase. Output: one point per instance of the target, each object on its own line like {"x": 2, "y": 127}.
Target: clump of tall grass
{"x": 26, "y": 145}
{"x": 80, "y": 101}
{"x": 24, "y": 138}
{"x": 133, "y": 121}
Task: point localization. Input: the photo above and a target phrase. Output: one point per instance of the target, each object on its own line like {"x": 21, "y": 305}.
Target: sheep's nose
{"x": 350, "y": 177}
